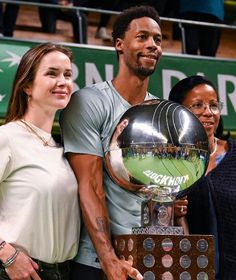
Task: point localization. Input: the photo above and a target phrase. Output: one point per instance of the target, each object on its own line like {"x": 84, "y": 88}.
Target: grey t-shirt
{"x": 87, "y": 126}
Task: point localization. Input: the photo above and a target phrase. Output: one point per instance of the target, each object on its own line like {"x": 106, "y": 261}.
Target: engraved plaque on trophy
{"x": 162, "y": 257}
{"x": 158, "y": 150}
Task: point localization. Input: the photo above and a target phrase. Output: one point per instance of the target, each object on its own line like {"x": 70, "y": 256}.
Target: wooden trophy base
{"x": 168, "y": 257}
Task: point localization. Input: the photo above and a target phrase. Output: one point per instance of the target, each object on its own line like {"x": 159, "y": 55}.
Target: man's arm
{"x": 89, "y": 173}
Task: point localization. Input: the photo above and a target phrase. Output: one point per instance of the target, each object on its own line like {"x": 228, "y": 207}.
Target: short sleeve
{"x": 5, "y": 157}
{"x": 81, "y": 122}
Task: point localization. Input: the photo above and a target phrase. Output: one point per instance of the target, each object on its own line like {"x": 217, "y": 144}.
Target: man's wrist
{"x": 108, "y": 258}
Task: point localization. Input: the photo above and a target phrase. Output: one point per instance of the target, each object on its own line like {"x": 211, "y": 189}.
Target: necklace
{"x": 34, "y": 131}
{"x": 215, "y": 147}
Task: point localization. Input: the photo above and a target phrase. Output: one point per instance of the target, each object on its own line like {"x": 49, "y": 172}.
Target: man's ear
{"x": 119, "y": 45}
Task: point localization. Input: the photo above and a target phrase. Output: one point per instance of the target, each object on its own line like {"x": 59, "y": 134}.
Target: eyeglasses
{"x": 199, "y": 107}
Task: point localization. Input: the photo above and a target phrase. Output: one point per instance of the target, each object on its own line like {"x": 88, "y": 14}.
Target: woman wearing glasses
{"x": 210, "y": 207}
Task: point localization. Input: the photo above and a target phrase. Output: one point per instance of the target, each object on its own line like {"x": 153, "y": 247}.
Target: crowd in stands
{"x": 198, "y": 39}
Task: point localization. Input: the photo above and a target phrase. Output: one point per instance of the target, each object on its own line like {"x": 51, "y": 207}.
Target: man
{"x": 87, "y": 126}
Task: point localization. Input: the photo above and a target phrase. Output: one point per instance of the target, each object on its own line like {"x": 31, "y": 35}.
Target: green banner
{"x": 93, "y": 64}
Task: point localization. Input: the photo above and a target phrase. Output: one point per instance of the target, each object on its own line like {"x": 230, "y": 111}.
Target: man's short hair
{"x": 123, "y": 20}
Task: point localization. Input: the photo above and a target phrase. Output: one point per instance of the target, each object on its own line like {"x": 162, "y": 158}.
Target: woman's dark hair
{"x": 179, "y": 92}
{"x": 122, "y": 22}
{"x": 25, "y": 75}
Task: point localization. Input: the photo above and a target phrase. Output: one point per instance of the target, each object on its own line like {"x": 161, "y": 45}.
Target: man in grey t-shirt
{"x": 87, "y": 126}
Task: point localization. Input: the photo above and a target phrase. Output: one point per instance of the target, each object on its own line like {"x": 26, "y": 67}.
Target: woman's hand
{"x": 180, "y": 211}
{"x": 23, "y": 267}
{"x": 180, "y": 207}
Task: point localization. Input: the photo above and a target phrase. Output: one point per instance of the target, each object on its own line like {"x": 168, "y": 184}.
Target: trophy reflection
{"x": 159, "y": 150}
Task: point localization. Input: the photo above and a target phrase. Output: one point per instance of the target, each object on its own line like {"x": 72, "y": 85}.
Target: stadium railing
{"x": 180, "y": 22}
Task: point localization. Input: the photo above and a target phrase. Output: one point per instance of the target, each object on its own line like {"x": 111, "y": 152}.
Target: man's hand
{"x": 120, "y": 270}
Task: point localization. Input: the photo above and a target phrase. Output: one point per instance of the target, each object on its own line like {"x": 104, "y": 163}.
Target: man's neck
{"x": 132, "y": 89}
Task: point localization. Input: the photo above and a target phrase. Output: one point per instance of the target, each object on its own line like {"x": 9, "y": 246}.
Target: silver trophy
{"x": 158, "y": 150}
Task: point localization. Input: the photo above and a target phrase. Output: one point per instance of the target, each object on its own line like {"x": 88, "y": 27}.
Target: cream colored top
{"x": 38, "y": 195}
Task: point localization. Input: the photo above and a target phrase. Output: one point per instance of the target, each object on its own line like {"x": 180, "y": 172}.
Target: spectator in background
{"x": 1, "y": 19}
{"x": 160, "y": 6}
{"x": 202, "y": 39}
{"x": 49, "y": 17}
{"x": 115, "y": 5}
{"x": 168, "y": 8}
{"x": 8, "y": 17}
{"x": 101, "y": 32}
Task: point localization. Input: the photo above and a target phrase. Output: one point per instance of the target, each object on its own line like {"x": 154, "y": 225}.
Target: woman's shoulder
{"x": 11, "y": 127}
{"x": 232, "y": 140}
{"x": 11, "y": 131}
{"x": 231, "y": 143}
{"x": 7, "y": 133}
{"x": 225, "y": 145}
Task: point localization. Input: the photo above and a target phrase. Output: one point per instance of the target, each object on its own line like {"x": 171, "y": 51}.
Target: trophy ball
{"x": 157, "y": 145}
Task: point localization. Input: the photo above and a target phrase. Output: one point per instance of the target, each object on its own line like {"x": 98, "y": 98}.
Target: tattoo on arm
{"x": 103, "y": 227}
{"x": 102, "y": 224}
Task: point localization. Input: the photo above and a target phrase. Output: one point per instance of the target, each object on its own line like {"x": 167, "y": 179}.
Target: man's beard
{"x": 144, "y": 72}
